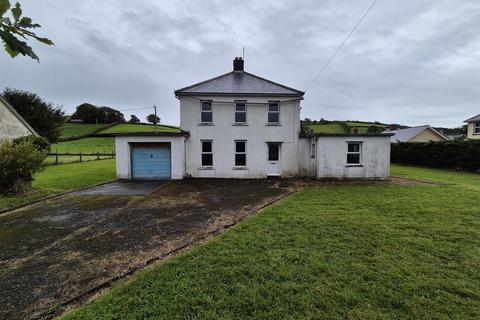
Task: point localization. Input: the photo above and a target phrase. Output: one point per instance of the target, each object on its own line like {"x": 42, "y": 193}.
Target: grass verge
{"x": 62, "y": 178}
{"x": 325, "y": 253}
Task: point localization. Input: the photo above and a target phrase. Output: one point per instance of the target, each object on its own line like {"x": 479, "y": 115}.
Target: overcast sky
{"x": 411, "y": 62}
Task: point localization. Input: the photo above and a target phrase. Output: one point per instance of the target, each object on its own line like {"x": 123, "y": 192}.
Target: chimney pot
{"x": 238, "y": 64}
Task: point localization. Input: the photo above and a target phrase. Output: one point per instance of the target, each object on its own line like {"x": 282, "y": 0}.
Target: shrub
{"x": 460, "y": 155}
{"x": 20, "y": 159}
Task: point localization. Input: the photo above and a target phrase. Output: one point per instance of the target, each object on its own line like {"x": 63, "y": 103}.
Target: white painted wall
{"x": 257, "y": 132}
{"x": 10, "y": 126}
{"x": 332, "y": 158}
{"x": 123, "y": 150}
{"x": 307, "y": 163}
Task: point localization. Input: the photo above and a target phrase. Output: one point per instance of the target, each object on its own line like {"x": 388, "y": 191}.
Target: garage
{"x": 151, "y": 161}
{"x": 150, "y": 155}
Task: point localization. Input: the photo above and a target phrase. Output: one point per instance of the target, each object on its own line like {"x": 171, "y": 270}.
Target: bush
{"x": 460, "y": 155}
{"x": 20, "y": 159}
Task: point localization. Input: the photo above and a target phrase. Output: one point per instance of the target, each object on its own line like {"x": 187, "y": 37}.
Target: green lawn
{"x": 326, "y": 128}
{"x": 404, "y": 252}
{"x": 61, "y": 178}
{"x": 78, "y": 129}
{"x": 86, "y": 145}
{"x": 130, "y": 128}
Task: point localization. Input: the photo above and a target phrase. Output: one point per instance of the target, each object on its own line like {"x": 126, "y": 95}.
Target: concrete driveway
{"x": 63, "y": 248}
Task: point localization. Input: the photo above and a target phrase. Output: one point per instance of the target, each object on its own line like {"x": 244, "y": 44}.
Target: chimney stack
{"x": 238, "y": 64}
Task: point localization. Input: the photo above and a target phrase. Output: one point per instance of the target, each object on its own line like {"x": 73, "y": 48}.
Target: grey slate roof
{"x": 241, "y": 84}
{"x": 476, "y": 118}
{"x": 405, "y": 135}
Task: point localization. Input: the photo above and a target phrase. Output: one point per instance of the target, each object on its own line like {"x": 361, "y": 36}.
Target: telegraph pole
{"x": 156, "y": 118}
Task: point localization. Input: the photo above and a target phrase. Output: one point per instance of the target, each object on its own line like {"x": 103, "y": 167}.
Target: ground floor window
{"x": 240, "y": 153}
{"x": 354, "y": 152}
{"x": 207, "y": 153}
{"x": 476, "y": 127}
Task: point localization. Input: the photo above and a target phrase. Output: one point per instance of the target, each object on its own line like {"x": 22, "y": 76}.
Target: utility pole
{"x": 156, "y": 118}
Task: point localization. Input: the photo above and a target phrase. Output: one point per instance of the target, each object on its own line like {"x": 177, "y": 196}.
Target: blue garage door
{"x": 151, "y": 161}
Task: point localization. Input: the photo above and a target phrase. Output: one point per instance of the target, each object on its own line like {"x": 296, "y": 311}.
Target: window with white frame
{"x": 476, "y": 127}
{"x": 207, "y": 153}
{"x": 240, "y": 112}
{"x": 354, "y": 153}
{"x": 206, "y": 112}
{"x": 240, "y": 153}
{"x": 273, "y": 112}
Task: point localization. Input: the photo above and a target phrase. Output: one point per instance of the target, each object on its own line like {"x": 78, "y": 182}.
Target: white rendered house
{"x": 239, "y": 125}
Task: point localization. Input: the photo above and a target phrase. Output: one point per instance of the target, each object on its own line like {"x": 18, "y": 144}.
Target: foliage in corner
{"x": 20, "y": 159}
{"x": 15, "y": 27}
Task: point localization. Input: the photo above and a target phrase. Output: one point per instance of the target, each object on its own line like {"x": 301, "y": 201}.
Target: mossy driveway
{"x": 61, "y": 251}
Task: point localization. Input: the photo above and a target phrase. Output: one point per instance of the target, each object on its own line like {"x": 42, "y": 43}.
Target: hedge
{"x": 460, "y": 155}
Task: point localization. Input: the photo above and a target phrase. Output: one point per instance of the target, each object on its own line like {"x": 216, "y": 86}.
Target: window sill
{"x": 206, "y": 168}
{"x": 240, "y": 168}
{"x": 274, "y": 124}
{"x": 206, "y": 124}
{"x": 353, "y": 165}
{"x": 240, "y": 124}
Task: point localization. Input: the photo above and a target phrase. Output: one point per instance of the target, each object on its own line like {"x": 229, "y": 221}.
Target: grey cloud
{"x": 410, "y": 62}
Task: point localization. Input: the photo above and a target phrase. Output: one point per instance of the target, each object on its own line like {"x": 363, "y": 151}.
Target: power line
{"x": 343, "y": 43}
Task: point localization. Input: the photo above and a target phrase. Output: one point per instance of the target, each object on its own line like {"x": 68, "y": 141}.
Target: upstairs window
{"x": 206, "y": 112}
{"x": 354, "y": 152}
{"x": 240, "y": 112}
{"x": 273, "y": 113}
{"x": 240, "y": 153}
{"x": 476, "y": 127}
{"x": 207, "y": 153}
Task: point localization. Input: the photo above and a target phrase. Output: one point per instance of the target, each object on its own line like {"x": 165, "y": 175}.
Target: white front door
{"x": 273, "y": 165}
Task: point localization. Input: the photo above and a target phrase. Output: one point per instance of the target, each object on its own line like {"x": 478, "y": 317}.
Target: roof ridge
{"x": 202, "y": 82}
{"x": 276, "y": 83}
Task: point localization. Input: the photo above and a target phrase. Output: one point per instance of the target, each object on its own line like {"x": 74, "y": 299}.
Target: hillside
{"x": 344, "y": 127}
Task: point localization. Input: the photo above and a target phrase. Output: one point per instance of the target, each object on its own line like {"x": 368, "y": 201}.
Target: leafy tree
{"x": 15, "y": 27}
{"x": 44, "y": 117}
{"x": 153, "y": 118}
{"x": 134, "y": 119}
{"x": 20, "y": 159}
{"x": 93, "y": 114}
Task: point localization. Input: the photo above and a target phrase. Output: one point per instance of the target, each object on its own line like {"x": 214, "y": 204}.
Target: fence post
{"x": 113, "y": 155}
{"x": 80, "y": 156}
{"x": 98, "y": 155}
{"x": 56, "y": 157}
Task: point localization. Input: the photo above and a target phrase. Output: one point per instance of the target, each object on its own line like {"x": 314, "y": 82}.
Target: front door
{"x": 273, "y": 166}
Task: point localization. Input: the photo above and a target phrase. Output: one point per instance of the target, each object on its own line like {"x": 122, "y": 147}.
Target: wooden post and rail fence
{"x": 81, "y": 155}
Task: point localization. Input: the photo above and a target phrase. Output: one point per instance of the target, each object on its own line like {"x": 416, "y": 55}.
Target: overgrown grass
{"x": 86, "y": 145}
{"x": 131, "y": 128}
{"x": 61, "y": 178}
{"x": 78, "y": 129}
{"x": 326, "y": 253}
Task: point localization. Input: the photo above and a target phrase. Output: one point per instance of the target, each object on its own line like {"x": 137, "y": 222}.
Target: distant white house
{"x": 240, "y": 125}
{"x": 473, "y": 127}
{"x": 423, "y": 133}
{"x": 12, "y": 124}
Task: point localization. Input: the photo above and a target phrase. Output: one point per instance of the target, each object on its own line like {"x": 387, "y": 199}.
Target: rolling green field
{"x": 337, "y": 127}
{"x": 326, "y": 128}
{"x": 130, "y": 128}
{"x": 350, "y": 252}
{"x": 61, "y": 178}
{"x": 85, "y": 145}
{"x": 78, "y": 129}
